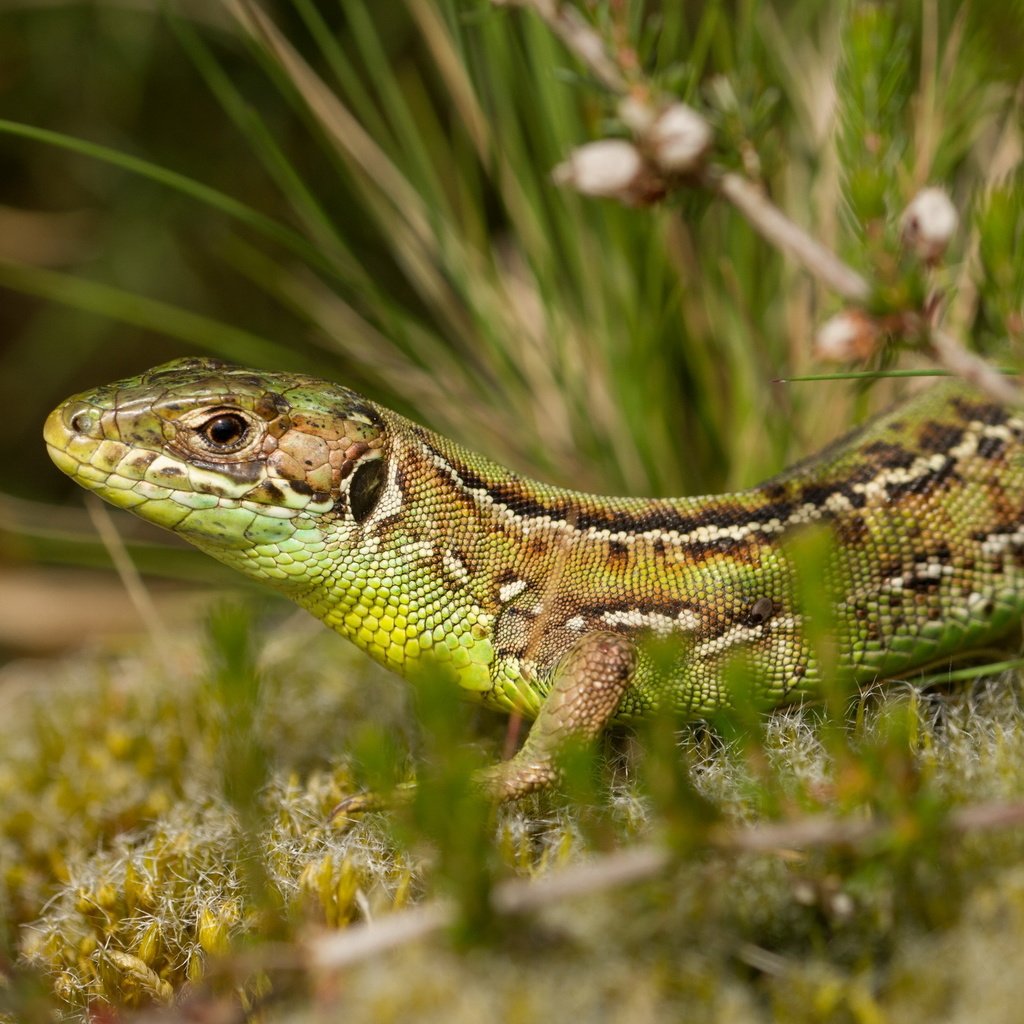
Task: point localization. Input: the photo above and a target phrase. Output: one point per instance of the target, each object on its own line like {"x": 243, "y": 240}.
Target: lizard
{"x": 549, "y": 602}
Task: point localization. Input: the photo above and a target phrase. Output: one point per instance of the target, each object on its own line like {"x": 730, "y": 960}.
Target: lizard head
{"x": 249, "y": 466}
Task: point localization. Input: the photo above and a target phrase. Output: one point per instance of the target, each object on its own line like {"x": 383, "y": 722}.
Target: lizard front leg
{"x": 587, "y": 685}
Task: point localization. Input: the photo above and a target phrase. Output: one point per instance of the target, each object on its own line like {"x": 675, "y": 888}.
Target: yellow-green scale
{"x": 409, "y": 620}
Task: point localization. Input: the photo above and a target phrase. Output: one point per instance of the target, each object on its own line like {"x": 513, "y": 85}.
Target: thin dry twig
{"x": 950, "y": 354}
{"x": 626, "y": 867}
{"x": 763, "y": 215}
{"x": 131, "y": 578}
{"x": 568, "y": 24}
{"x": 785, "y": 234}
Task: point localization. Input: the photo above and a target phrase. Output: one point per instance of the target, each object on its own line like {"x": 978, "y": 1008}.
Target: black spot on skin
{"x": 889, "y": 456}
{"x": 921, "y": 584}
{"x": 862, "y": 474}
{"x": 301, "y": 487}
{"x": 270, "y": 405}
{"x": 939, "y": 437}
{"x": 993, "y": 415}
{"x": 618, "y": 549}
{"x": 459, "y": 556}
{"x": 173, "y": 471}
{"x": 272, "y": 491}
{"x": 520, "y": 611}
{"x": 143, "y": 460}
{"x": 851, "y": 529}
{"x": 814, "y": 494}
{"x": 991, "y": 448}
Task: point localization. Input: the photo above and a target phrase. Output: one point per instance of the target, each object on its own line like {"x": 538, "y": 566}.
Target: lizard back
{"x": 426, "y": 554}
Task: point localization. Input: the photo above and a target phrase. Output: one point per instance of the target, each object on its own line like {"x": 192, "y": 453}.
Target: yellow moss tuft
{"x": 135, "y": 880}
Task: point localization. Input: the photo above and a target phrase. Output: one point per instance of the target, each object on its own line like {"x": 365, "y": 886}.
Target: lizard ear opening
{"x": 365, "y": 488}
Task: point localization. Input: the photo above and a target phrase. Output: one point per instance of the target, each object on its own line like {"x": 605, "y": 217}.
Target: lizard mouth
{"x": 76, "y": 445}
{"x": 57, "y": 435}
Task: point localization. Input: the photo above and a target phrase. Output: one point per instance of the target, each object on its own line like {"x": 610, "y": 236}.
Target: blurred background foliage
{"x": 384, "y": 216}
{"x": 363, "y": 190}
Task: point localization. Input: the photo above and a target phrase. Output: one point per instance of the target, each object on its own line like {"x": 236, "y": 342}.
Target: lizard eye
{"x": 226, "y": 432}
{"x": 364, "y": 490}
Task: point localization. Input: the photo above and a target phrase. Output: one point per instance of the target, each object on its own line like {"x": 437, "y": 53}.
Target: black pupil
{"x": 225, "y": 429}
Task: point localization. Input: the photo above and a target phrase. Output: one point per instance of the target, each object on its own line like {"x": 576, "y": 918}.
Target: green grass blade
{"x": 326, "y": 238}
{"x": 205, "y": 194}
{"x": 219, "y": 339}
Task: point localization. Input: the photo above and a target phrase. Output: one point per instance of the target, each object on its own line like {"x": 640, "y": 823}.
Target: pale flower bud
{"x": 637, "y": 115}
{"x": 847, "y": 337}
{"x": 608, "y": 167}
{"x": 928, "y": 223}
{"x": 679, "y": 138}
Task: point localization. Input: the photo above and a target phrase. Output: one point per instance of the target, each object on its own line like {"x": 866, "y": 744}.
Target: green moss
{"x": 124, "y": 868}
{"x": 129, "y": 878}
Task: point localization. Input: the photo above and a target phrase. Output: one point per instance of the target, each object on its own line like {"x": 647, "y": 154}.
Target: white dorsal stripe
{"x": 873, "y": 489}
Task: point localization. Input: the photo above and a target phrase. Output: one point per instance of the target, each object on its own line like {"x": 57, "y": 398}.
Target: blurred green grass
{"x": 419, "y": 252}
